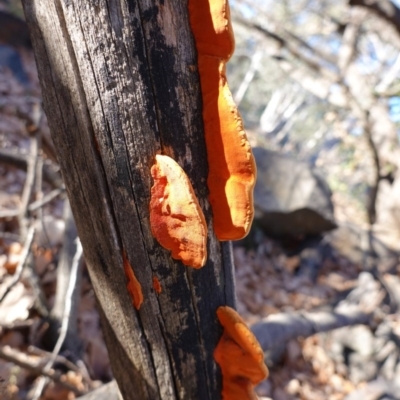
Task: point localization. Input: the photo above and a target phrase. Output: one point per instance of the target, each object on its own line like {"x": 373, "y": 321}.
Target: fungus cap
{"x": 239, "y": 356}
{"x": 176, "y": 219}
{"x": 232, "y": 169}
{"x": 211, "y": 25}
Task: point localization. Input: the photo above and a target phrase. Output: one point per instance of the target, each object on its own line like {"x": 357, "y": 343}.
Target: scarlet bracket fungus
{"x": 210, "y": 21}
{"x": 133, "y": 286}
{"x": 232, "y": 169}
{"x": 239, "y": 356}
{"x": 176, "y": 219}
{"x": 156, "y": 285}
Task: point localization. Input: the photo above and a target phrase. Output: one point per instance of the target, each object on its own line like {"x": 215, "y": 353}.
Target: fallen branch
{"x": 45, "y": 200}
{"x": 72, "y": 342}
{"x": 32, "y": 350}
{"x": 65, "y": 320}
{"x": 108, "y": 391}
{"x": 30, "y": 179}
{"x": 21, "y": 161}
{"x": 24, "y": 361}
{"x": 278, "y": 329}
{"x": 20, "y": 267}
{"x": 36, "y": 205}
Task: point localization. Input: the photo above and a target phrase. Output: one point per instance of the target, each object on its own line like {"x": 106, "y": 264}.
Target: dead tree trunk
{"x": 120, "y": 84}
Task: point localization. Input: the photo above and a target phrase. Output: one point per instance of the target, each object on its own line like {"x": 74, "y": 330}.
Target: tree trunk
{"x": 120, "y": 84}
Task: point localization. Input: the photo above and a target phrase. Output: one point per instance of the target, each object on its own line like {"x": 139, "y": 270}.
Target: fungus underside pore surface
{"x": 176, "y": 219}
{"x": 239, "y": 356}
{"x": 133, "y": 285}
{"x": 232, "y": 168}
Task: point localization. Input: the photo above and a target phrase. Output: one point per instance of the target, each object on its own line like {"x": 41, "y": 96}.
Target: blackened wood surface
{"x": 120, "y": 84}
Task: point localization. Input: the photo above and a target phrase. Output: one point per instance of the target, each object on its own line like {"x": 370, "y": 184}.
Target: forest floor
{"x": 333, "y": 365}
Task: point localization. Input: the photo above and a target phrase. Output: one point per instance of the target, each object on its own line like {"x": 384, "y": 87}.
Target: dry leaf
{"x": 16, "y": 305}
{"x": 14, "y": 256}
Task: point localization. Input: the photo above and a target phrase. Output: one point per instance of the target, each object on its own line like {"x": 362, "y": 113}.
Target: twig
{"x": 367, "y": 132}
{"x": 248, "y": 78}
{"x": 65, "y": 320}
{"x": 38, "y": 190}
{"x": 10, "y": 236}
{"x": 9, "y": 213}
{"x": 109, "y": 391}
{"x": 35, "y": 205}
{"x": 28, "y": 186}
{"x": 20, "y": 161}
{"x": 22, "y": 360}
{"x": 62, "y": 360}
{"x": 20, "y": 267}
{"x": 18, "y": 324}
{"x": 383, "y": 8}
{"x": 45, "y": 200}
{"x": 59, "y": 359}
{"x": 66, "y": 256}
{"x": 280, "y": 328}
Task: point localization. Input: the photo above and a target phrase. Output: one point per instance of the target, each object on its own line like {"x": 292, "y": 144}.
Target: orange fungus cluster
{"x": 232, "y": 169}
{"x": 176, "y": 219}
{"x": 239, "y": 356}
{"x": 133, "y": 286}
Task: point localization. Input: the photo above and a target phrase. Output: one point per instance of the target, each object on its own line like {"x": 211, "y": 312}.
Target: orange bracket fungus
{"x": 176, "y": 219}
{"x": 133, "y": 286}
{"x": 239, "y": 356}
{"x": 232, "y": 169}
{"x": 210, "y": 21}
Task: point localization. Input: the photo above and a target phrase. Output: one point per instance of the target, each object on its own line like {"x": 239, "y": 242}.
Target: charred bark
{"x": 120, "y": 84}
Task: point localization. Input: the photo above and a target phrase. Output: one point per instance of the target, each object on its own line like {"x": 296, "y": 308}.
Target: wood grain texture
{"x": 120, "y": 84}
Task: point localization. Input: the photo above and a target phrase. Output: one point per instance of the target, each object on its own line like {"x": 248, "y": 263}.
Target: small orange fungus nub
{"x": 133, "y": 285}
{"x": 232, "y": 170}
{"x": 176, "y": 219}
{"x": 239, "y": 356}
{"x": 156, "y": 285}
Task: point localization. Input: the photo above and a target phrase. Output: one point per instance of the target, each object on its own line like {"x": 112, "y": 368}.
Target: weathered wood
{"x": 278, "y": 329}
{"x": 120, "y": 83}
{"x": 108, "y": 391}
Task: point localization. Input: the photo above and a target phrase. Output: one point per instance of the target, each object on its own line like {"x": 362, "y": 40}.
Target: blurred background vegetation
{"x": 321, "y": 80}
{"x": 318, "y": 85}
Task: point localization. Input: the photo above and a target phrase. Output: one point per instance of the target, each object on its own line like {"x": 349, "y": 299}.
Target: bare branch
{"x": 59, "y": 359}
{"x": 254, "y": 64}
{"x": 108, "y": 391}
{"x": 389, "y": 78}
{"x": 46, "y": 199}
{"x": 20, "y": 267}
{"x": 22, "y": 360}
{"x": 21, "y": 161}
{"x": 383, "y": 8}
{"x": 65, "y": 320}
{"x": 293, "y": 48}
{"x": 280, "y": 328}
{"x": 282, "y": 106}
{"x": 371, "y": 206}
{"x": 348, "y": 48}
{"x": 28, "y": 186}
